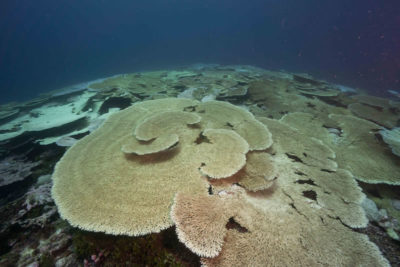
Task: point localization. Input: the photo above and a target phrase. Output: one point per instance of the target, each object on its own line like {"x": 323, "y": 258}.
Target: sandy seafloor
{"x": 35, "y": 134}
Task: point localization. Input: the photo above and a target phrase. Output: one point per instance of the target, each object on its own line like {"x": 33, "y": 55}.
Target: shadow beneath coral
{"x": 158, "y": 249}
{"x": 154, "y": 158}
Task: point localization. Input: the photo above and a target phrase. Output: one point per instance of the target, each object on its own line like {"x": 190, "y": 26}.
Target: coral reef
{"x": 392, "y": 138}
{"x": 279, "y": 179}
{"x": 355, "y": 144}
{"x": 32, "y": 234}
{"x": 214, "y": 138}
{"x": 376, "y": 109}
{"x": 14, "y": 169}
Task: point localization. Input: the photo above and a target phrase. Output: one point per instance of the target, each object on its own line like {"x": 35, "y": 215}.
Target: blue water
{"x": 47, "y": 44}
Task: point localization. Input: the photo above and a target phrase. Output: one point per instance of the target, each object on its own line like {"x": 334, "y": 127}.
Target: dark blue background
{"x": 47, "y": 44}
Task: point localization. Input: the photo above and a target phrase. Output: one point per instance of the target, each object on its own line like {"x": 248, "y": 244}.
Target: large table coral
{"x": 211, "y": 168}
{"x": 122, "y": 178}
{"x": 305, "y": 219}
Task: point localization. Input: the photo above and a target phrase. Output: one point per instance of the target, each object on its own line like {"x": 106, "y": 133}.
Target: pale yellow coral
{"x": 279, "y": 237}
{"x": 224, "y": 154}
{"x": 356, "y": 147}
{"x": 376, "y": 109}
{"x": 298, "y": 222}
{"x": 300, "y": 147}
{"x": 278, "y": 227}
{"x": 200, "y": 222}
{"x": 167, "y": 149}
{"x": 162, "y": 143}
{"x": 259, "y": 173}
{"x": 218, "y": 114}
{"x": 163, "y": 123}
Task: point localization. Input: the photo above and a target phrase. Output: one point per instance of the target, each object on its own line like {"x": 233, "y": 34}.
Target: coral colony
{"x": 212, "y": 165}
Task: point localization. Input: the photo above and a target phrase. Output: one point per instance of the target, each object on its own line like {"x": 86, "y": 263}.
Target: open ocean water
{"x": 46, "y": 45}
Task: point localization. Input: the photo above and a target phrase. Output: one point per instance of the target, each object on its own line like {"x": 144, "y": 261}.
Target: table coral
{"x": 392, "y": 138}
{"x": 100, "y": 186}
{"x": 305, "y": 219}
{"x": 355, "y": 144}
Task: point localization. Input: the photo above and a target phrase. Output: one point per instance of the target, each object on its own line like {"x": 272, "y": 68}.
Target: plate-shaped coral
{"x": 122, "y": 178}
